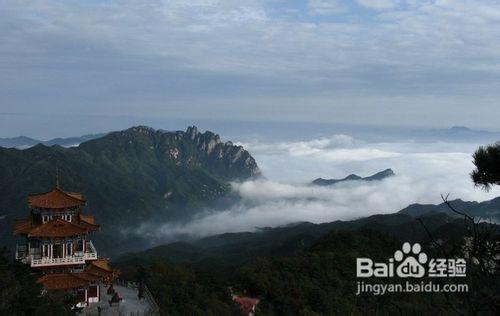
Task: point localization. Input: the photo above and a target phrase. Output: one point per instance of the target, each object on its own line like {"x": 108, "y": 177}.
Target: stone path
{"x": 129, "y": 306}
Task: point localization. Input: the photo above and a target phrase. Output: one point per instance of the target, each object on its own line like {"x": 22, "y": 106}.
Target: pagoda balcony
{"x": 79, "y": 257}
{"x": 47, "y": 261}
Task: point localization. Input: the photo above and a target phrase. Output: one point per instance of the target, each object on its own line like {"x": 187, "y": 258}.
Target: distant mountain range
{"x": 487, "y": 210}
{"x": 131, "y": 176}
{"x": 457, "y": 134}
{"x": 23, "y": 142}
{"x": 354, "y": 177}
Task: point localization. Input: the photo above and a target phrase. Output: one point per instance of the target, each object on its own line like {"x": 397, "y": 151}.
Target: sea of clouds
{"x": 424, "y": 171}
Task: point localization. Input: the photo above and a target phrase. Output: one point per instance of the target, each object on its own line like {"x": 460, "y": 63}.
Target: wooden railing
{"x": 155, "y": 308}
{"x": 47, "y": 261}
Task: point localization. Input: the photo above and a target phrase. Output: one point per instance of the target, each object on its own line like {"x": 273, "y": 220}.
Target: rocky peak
{"x": 142, "y": 129}
{"x": 192, "y": 132}
{"x": 189, "y": 148}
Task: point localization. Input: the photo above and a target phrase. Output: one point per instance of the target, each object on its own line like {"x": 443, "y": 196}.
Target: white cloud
{"x": 417, "y": 62}
{"x": 243, "y": 37}
{"x": 424, "y": 171}
{"x": 378, "y": 4}
{"x": 324, "y": 7}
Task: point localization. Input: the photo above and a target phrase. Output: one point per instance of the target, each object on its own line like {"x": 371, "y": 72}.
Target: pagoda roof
{"x": 89, "y": 219}
{"x": 66, "y": 281}
{"x": 88, "y": 222}
{"x": 56, "y": 199}
{"x": 102, "y": 264}
{"x": 57, "y": 228}
{"x": 63, "y": 228}
{"x": 22, "y": 226}
{"x": 102, "y": 268}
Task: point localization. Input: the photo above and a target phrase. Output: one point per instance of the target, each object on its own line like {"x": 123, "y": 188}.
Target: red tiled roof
{"x": 246, "y": 303}
{"x": 101, "y": 268}
{"x": 22, "y": 226}
{"x": 102, "y": 264}
{"x": 87, "y": 276}
{"x": 57, "y": 228}
{"x": 88, "y": 219}
{"x": 55, "y": 199}
{"x": 66, "y": 281}
{"x": 88, "y": 222}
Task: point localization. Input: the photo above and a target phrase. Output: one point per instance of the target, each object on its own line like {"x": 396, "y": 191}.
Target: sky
{"x": 101, "y": 64}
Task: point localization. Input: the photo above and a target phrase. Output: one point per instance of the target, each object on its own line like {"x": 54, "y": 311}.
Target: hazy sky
{"x": 382, "y": 62}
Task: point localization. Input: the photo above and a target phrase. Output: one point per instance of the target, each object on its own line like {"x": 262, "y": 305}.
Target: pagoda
{"x": 57, "y": 245}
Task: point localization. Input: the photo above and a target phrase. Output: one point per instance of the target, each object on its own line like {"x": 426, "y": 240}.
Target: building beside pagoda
{"x": 57, "y": 245}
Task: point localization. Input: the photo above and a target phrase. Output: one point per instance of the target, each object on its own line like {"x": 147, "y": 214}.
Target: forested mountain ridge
{"x": 127, "y": 177}
{"x": 221, "y": 254}
{"x": 486, "y": 210}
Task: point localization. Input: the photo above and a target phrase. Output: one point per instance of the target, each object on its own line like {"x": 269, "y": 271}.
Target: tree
{"x": 21, "y": 295}
{"x": 487, "y": 162}
{"x": 481, "y": 243}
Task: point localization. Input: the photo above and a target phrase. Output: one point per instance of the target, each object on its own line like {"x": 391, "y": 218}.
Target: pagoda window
{"x": 46, "y": 218}
{"x": 45, "y": 250}
{"x": 79, "y": 245}
{"x": 57, "y": 251}
{"x": 67, "y": 218}
{"x": 93, "y": 291}
{"x": 69, "y": 249}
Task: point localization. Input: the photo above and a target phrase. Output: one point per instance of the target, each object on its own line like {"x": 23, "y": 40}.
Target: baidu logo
{"x": 410, "y": 262}
{"x": 412, "y": 259}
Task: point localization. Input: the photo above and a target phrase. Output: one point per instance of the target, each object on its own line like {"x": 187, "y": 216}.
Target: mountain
{"x": 487, "y": 210}
{"x": 353, "y": 177}
{"x": 309, "y": 269}
{"x": 221, "y": 254}
{"x": 23, "y": 142}
{"x": 128, "y": 177}
{"x": 18, "y": 142}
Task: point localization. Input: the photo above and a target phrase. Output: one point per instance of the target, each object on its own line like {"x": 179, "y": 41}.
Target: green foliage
{"x": 322, "y": 281}
{"x": 487, "y": 162}
{"x": 21, "y": 295}
{"x": 309, "y": 269}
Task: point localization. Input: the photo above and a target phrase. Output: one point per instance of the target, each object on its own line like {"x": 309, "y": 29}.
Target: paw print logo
{"x": 411, "y": 260}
